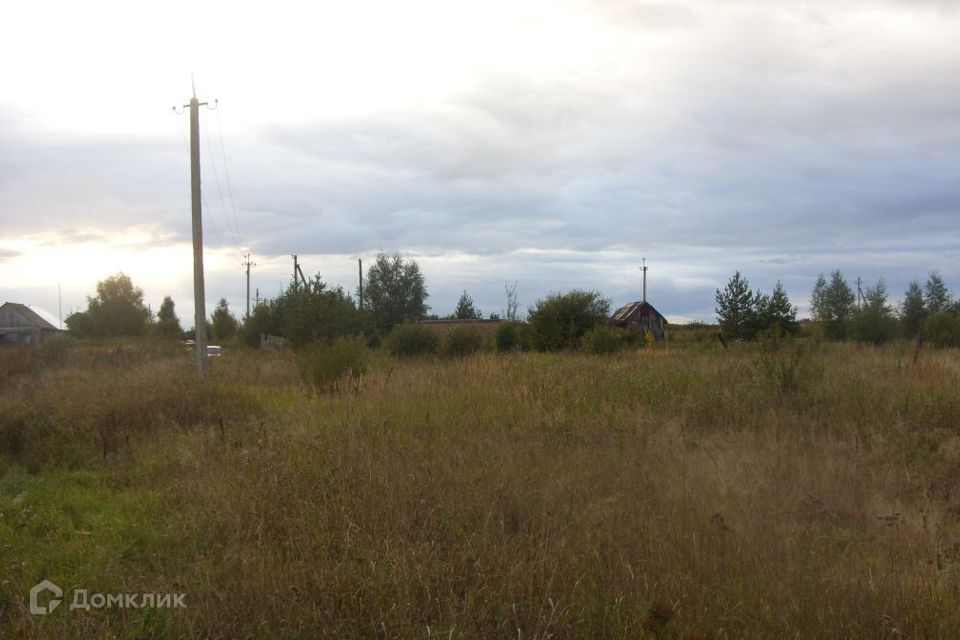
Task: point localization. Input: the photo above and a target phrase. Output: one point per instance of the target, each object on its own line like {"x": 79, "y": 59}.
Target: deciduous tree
{"x": 394, "y": 291}
{"x": 116, "y": 310}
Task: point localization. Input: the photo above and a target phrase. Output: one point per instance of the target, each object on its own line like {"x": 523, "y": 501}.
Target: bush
{"x": 867, "y": 325}
{"x": 603, "y": 339}
{"x": 322, "y": 364}
{"x": 463, "y": 341}
{"x": 559, "y": 321}
{"x": 510, "y": 337}
{"x": 411, "y": 339}
{"x": 943, "y": 329}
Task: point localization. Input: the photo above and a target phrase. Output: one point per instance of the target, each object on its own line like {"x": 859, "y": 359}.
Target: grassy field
{"x": 682, "y": 491}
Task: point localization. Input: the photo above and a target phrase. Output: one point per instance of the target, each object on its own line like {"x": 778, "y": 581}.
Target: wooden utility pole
{"x": 199, "y": 300}
{"x": 298, "y": 272}
{"x": 246, "y": 263}
{"x": 360, "y": 269}
{"x": 859, "y": 292}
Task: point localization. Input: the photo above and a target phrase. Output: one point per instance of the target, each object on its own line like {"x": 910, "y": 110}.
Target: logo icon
{"x": 54, "y": 602}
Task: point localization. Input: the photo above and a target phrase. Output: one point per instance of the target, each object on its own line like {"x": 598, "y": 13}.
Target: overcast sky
{"x": 553, "y": 144}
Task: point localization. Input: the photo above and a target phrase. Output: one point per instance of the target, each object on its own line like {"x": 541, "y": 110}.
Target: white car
{"x": 214, "y": 351}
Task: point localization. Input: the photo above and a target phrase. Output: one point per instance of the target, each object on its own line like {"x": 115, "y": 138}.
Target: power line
{"x": 183, "y": 135}
{"x": 216, "y": 231}
{"x": 226, "y": 175}
{"x": 213, "y": 223}
{"x": 216, "y": 177}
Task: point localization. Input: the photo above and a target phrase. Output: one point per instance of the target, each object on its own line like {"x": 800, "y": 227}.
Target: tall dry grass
{"x": 677, "y": 492}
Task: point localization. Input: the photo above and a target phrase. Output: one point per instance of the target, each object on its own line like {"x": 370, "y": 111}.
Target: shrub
{"x": 603, "y": 339}
{"x": 321, "y": 364}
{"x": 463, "y": 341}
{"x": 943, "y": 329}
{"x": 868, "y": 325}
{"x": 411, "y": 339}
{"x": 560, "y": 320}
{"x": 509, "y": 337}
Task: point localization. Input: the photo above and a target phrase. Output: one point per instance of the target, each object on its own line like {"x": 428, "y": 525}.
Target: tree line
{"x": 394, "y": 294}
{"x": 928, "y": 312}
{"x": 394, "y": 290}
{"x": 118, "y": 309}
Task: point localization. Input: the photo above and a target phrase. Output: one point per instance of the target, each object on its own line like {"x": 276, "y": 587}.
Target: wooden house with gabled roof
{"x": 21, "y": 325}
{"x": 641, "y": 316}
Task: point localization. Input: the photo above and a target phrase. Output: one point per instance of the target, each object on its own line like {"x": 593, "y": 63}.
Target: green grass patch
{"x": 88, "y": 530}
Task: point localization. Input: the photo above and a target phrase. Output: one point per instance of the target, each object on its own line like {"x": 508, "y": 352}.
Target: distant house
{"x": 642, "y": 317}
{"x": 21, "y": 325}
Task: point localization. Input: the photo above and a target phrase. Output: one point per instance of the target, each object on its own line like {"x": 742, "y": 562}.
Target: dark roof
{"x": 623, "y": 313}
{"x": 31, "y": 315}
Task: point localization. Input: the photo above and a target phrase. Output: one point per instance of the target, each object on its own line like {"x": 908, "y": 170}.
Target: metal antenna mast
{"x": 643, "y": 267}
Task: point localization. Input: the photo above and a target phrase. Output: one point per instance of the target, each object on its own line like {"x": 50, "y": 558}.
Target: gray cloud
{"x": 64, "y": 186}
{"x": 782, "y": 139}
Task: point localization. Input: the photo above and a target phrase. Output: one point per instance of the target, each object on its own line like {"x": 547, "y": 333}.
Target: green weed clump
{"x": 322, "y": 364}
{"x": 410, "y": 340}
{"x": 786, "y": 366}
